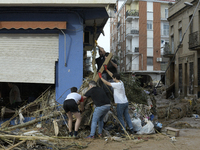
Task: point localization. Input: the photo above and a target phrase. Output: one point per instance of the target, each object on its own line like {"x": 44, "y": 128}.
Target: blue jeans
{"x": 122, "y": 110}
{"x": 98, "y": 115}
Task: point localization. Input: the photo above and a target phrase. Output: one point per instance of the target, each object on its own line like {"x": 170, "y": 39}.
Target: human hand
{"x": 105, "y": 67}
{"x": 100, "y": 75}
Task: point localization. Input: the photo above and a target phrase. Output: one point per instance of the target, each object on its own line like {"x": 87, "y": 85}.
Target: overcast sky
{"x": 104, "y": 41}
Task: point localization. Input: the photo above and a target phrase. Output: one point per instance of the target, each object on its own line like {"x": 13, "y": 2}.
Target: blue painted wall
{"x": 69, "y": 68}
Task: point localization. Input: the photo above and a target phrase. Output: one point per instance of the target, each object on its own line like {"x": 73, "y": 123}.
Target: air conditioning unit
{"x": 159, "y": 59}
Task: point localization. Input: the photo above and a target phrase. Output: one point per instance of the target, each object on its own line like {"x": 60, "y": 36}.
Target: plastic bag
{"x": 136, "y": 124}
{"x": 147, "y": 129}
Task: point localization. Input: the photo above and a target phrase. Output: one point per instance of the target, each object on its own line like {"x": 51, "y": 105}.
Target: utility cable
{"x": 179, "y": 43}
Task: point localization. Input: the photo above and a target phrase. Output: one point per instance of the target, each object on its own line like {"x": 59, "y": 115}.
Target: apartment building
{"x": 139, "y": 33}
{"x": 184, "y": 71}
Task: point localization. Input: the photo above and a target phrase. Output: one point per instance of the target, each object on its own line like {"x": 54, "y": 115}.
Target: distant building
{"x": 139, "y": 33}
{"x": 184, "y": 71}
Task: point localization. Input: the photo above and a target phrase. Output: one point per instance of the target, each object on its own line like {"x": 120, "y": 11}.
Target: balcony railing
{"x": 194, "y": 42}
{"x": 135, "y": 51}
{"x": 133, "y": 67}
{"x": 132, "y": 13}
{"x": 163, "y": 66}
{"x": 132, "y": 31}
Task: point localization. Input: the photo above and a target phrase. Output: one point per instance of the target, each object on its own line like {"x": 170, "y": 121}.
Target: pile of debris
{"x": 43, "y": 123}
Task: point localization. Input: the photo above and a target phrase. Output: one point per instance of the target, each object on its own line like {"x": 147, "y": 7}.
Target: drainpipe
{"x": 65, "y": 49}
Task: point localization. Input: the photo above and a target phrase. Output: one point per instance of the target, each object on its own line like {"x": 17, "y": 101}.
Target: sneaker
{"x": 132, "y": 132}
{"x": 100, "y": 136}
{"x": 76, "y": 136}
{"x": 70, "y": 134}
{"x": 90, "y": 137}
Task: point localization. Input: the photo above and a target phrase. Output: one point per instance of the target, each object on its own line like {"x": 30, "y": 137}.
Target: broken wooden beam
{"x": 102, "y": 67}
{"x": 20, "y": 137}
{"x": 33, "y": 121}
{"x": 16, "y": 145}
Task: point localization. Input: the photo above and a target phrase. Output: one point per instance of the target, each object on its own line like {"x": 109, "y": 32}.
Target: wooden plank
{"x": 102, "y": 67}
{"x": 21, "y": 137}
{"x": 172, "y": 131}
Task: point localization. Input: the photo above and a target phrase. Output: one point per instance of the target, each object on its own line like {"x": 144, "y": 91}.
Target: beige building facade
{"x": 184, "y": 45}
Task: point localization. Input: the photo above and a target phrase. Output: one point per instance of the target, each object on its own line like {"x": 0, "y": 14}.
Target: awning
{"x": 33, "y": 24}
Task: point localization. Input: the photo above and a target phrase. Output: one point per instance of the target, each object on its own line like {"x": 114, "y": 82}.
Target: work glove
{"x": 105, "y": 67}
{"x": 100, "y": 75}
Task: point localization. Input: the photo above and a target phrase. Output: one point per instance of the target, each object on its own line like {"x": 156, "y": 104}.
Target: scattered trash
{"x": 195, "y": 116}
{"x": 136, "y": 124}
{"x": 173, "y": 139}
{"x": 148, "y": 128}
{"x": 115, "y": 138}
{"x": 158, "y": 126}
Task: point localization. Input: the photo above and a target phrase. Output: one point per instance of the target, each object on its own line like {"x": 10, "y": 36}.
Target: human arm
{"x": 102, "y": 79}
{"x": 81, "y": 103}
{"x": 82, "y": 106}
{"x": 109, "y": 73}
{"x": 113, "y": 62}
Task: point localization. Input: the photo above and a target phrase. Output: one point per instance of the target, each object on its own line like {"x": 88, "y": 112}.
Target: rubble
{"x": 42, "y": 124}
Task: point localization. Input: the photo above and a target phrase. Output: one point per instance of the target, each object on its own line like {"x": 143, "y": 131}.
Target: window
{"x": 149, "y": 61}
{"x": 180, "y": 78}
{"x": 180, "y": 34}
{"x": 149, "y": 6}
{"x": 172, "y": 44}
{"x": 149, "y": 42}
{"x": 191, "y": 25}
{"x": 191, "y": 76}
{"x": 166, "y": 12}
{"x": 172, "y": 29}
{"x": 149, "y": 25}
{"x": 166, "y": 29}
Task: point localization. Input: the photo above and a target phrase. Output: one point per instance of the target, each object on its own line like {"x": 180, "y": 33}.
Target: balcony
{"x": 130, "y": 52}
{"x": 163, "y": 66}
{"x": 133, "y": 67}
{"x": 132, "y": 14}
{"x": 168, "y": 53}
{"x": 194, "y": 42}
{"x": 131, "y": 32}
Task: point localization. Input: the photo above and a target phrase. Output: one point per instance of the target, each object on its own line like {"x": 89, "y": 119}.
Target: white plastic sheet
{"x": 136, "y": 124}
{"x": 147, "y": 129}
